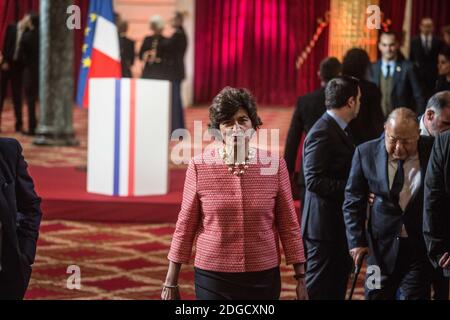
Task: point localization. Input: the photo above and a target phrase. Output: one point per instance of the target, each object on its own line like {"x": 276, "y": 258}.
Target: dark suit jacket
{"x": 29, "y": 56}
{"x": 20, "y": 214}
{"x": 426, "y": 63}
{"x": 407, "y": 91}
{"x": 441, "y": 85}
{"x": 175, "y": 48}
{"x": 370, "y": 121}
{"x": 369, "y": 173}
{"x": 308, "y": 110}
{"x": 127, "y": 55}
{"x": 327, "y": 159}
{"x": 155, "y": 70}
{"x": 436, "y": 215}
{"x": 9, "y": 43}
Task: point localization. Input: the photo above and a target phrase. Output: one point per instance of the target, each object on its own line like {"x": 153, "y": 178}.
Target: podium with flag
{"x": 128, "y": 139}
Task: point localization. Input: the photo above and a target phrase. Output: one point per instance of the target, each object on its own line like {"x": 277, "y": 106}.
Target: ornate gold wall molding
{"x": 348, "y": 28}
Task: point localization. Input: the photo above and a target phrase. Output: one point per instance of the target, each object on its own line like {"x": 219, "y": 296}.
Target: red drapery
{"x": 254, "y": 44}
{"x": 394, "y": 10}
{"x": 438, "y": 10}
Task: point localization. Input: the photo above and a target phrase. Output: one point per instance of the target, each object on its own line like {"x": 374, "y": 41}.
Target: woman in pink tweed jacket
{"x": 236, "y": 210}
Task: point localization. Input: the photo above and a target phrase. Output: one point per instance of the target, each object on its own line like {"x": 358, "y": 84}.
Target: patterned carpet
{"x": 117, "y": 261}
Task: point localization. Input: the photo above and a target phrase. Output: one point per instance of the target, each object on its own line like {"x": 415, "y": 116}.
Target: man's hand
{"x": 358, "y": 254}
{"x": 444, "y": 262}
{"x": 5, "y": 66}
{"x": 371, "y": 199}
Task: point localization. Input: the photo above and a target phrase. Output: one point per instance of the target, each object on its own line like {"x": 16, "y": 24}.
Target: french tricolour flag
{"x": 101, "y": 52}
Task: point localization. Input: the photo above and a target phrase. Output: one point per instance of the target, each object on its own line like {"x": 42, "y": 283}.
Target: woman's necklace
{"x": 237, "y": 168}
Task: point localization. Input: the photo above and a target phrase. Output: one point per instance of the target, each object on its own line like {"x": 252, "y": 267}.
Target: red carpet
{"x": 64, "y": 195}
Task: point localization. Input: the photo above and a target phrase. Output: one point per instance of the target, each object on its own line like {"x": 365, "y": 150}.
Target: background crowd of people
{"x": 402, "y": 105}
{"x": 19, "y": 64}
{"x": 162, "y": 57}
{"x": 366, "y": 184}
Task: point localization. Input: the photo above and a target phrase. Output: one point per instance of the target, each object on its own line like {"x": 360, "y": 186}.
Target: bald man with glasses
{"x": 390, "y": 230}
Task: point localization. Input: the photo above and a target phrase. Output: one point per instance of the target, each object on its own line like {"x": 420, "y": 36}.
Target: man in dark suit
{"x": 327, "y": 158}
{"x": 20, "y": 217}
{"x": 369, "y": 123}
{"x": 434, "y": 121}
{"x": 127, "y": 54}
{"x": 175, "y": 49}
{"x": 12, "y": 68}
{"x": 29, "y": 55}
{"x": 436, "y": 214}
{"x": 424, "y": 54}
{"x": 393, "y": 169}
{"x": 396, "y": 78}
{"x": 308, "y": 110}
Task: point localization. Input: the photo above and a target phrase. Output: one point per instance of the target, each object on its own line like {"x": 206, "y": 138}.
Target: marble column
{"x": 56, "y": 76}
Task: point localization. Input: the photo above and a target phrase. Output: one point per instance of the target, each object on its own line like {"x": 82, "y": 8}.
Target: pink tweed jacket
{"x": 236, "y": 222}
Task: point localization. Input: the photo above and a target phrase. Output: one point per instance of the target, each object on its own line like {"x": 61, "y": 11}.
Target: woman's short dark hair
{"x": 356, "y": 62}
{"x": 228, "y": 102}
{"x": 339, "y": 90}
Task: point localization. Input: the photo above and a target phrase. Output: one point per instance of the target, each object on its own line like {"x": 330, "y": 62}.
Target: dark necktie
{"x": 399, "y": 180}
{"x": 388, "y": 71}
